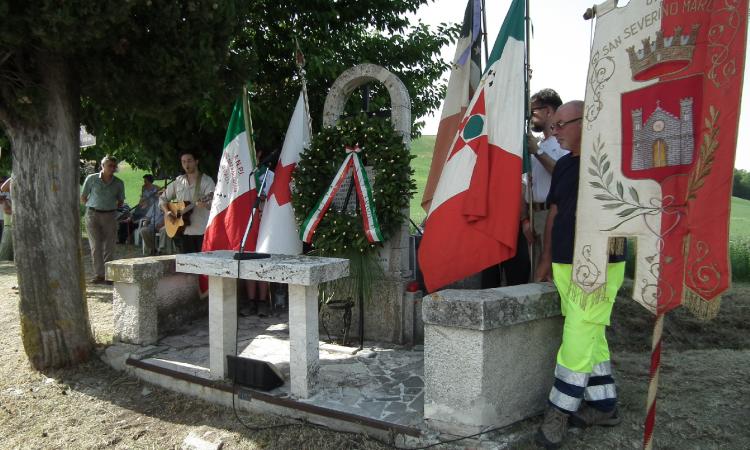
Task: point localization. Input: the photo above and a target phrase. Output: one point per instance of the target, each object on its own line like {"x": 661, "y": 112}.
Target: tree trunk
{"x": 46, "y": 223}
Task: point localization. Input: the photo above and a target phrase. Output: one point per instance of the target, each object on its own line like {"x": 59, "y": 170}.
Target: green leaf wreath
{"x": 341, "y": 233}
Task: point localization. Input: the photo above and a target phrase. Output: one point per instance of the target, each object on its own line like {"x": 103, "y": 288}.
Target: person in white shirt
{"x": 545, "y": 154}
{"x": 194, "y": 187}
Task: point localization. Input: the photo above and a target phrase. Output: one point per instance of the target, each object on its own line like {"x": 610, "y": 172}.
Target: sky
{"x": 559, "y": 51}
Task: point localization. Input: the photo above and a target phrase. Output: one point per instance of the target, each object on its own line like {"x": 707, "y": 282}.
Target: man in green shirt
{"x": 102, "y": 193}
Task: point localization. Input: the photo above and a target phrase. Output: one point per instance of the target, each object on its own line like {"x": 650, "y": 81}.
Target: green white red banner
{"x": 363, "y": 187}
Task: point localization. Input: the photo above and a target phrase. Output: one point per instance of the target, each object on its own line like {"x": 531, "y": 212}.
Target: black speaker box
{"x": 254, "y": 373}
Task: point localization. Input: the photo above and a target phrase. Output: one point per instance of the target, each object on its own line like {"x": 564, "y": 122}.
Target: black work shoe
{"x": 553, "y": 429}
{"x": 586, "y": 416}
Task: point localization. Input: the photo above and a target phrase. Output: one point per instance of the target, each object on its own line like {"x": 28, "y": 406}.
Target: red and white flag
{"x": 473, "y": 220}
{"x": 462, "y": 84}
{"x": 236, "y": 189}
{"x": 278, "y": 229}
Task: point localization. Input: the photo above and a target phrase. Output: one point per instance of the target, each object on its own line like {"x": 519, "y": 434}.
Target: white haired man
{"x": 102, "y": 193}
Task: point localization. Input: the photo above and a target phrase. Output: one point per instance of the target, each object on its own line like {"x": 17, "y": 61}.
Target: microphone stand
{"x": 242, "y": 255}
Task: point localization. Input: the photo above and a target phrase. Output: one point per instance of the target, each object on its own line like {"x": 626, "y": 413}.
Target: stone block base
{"x": 489, "y": 355}
{"x": 150, "y": 298}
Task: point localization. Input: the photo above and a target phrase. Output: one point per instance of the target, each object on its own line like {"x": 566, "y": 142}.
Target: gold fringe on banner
{"x": 699, "y": 307}
{"x": 586, "y": 299}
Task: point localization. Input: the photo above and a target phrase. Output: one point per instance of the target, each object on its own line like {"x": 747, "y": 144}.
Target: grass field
{"x": 133, "y": 179}
{"x": 739, "y": 223}
{"x": 422, "y": 150}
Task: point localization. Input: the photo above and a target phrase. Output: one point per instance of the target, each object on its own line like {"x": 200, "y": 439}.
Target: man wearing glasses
{"x": 102, "y": 193}
{"x": 583, "y": 370}
{"x": 545, "y": 154}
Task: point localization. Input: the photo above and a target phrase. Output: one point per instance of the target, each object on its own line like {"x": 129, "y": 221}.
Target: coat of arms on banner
{"x": 660, "y": 129}
{"x": 662, "y": 107}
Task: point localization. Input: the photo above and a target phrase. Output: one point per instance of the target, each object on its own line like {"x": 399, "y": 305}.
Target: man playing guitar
{"x": 194, "y": 189}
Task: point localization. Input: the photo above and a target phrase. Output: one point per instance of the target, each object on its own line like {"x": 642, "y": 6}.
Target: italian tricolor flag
{"x": 235, "y": 187}
{"x": 473, "y": 220}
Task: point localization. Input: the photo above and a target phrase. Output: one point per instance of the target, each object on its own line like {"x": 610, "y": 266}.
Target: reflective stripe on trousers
{"x": 597, "y": 387}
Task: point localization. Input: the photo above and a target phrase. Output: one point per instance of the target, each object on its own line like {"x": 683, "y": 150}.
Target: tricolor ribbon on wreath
{"x": 364, "y": 193}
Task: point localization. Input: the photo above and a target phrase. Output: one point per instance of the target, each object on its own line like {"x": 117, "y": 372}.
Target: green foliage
{"x": 364, "y": 272}
{"x": 741, "y": 184}
{"x": 149, "y": 76}
{"x": 341, "y": 234}
{"x": 739, "y": 257}
{"x": 384, "y": 150}
{"x": 156, "y": 80}
{"x": 333, "y": 37}
{"x": 131, "y": 58}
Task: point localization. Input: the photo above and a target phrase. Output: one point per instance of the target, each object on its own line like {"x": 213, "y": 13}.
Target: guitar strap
{"x": 197, "y": 191}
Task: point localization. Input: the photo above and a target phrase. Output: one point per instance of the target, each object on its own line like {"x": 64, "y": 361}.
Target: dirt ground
{"x": 703, "y": 402}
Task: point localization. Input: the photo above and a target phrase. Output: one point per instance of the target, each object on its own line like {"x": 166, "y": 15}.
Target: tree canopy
{"x": 333, "y": 35}
{"x": 741, "y": 184}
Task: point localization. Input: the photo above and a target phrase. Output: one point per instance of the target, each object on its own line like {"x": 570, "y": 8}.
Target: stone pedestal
{"x": 303, "y": 333}
{"x": 222, "y": 323}
{"x": 150, "y": 298}
{"x": 489, "y": 355}
{"x": 386, "y": 315}
{"x": 301, "y": 273}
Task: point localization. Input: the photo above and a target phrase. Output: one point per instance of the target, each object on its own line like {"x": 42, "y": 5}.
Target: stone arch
{"x": 355, "y": 77}
{"x": 389, "y": 318}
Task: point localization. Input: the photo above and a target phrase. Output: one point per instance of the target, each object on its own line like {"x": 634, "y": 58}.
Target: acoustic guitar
{"x": 181, "y": 210}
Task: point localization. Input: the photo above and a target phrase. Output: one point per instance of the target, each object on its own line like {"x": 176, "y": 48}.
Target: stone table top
{"x": 289, "y": 269}
{"x": 132, "y": 270}
{"x": 487, "y": 309}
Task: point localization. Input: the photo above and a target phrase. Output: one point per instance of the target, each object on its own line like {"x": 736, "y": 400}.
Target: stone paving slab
{"x": 383, "y": 383}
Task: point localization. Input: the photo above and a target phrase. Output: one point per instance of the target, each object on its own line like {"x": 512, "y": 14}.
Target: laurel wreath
{"x": 706, "y": 154}
{"x": 342, "y": 232}
{"x": 614, "y": 195}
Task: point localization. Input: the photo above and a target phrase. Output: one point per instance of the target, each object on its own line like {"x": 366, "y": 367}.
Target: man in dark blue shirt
{"x": 583, "y": 370}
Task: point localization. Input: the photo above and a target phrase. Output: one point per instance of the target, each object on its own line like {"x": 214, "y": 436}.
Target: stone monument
{"x": 387, "y": 314}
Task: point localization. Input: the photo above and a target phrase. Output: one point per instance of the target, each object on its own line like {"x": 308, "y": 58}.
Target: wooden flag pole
{"x": 529, "y": 177}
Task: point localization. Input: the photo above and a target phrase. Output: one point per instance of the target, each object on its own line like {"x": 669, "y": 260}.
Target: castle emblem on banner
{"x": 664, "y": 140}
{"x": 659, "y": 126}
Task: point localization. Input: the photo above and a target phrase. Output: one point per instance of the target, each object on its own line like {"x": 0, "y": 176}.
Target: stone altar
{"x": 301, "y": 273}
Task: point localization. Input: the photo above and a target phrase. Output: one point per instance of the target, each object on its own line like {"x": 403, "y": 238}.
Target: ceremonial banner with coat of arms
{"x": 660, "y": 129}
